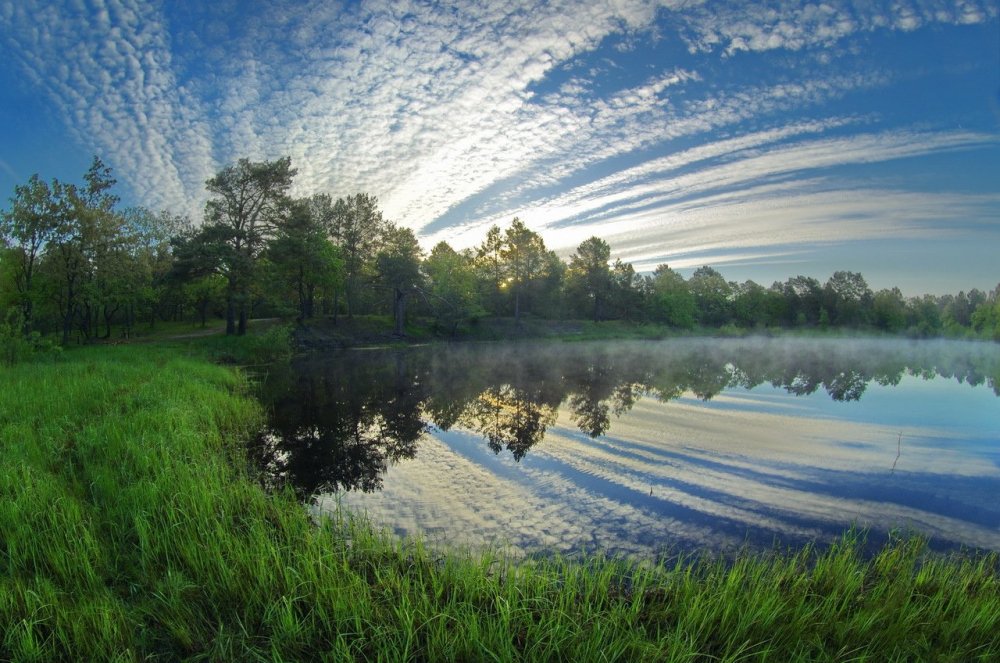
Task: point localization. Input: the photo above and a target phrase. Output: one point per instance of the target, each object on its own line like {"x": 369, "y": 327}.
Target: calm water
{"x": 646, "y": 447}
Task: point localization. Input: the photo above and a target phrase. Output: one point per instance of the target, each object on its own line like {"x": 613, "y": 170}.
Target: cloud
{"x": 755, "y": 191}
{"x": 107, "y": 67}
{"x": 463, "y": 115}
{"x": 737, "y": 26}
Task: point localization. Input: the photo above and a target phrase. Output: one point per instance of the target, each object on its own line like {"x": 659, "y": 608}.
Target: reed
{"x": 130, "y": 530}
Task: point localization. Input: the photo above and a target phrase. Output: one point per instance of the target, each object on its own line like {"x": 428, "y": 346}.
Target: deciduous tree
{"x": 26, "y": 228}
{"x": 399, "y": 269}
{"x": 358, "y": 227}
{"x": 249, "y": 199}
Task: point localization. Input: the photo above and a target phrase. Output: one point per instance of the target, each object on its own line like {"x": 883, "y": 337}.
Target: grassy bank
{"x": 129, "y": 531}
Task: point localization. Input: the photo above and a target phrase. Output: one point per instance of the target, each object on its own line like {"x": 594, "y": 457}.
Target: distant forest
{"x": 75, "y": 267}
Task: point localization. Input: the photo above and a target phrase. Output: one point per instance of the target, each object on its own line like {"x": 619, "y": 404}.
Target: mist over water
{"x": 644, "y": 447}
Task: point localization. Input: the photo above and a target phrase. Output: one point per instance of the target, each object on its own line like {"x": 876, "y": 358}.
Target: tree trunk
{"x": 242, "y": 330}
{"x": 108, "y": 315}
{"x": 399, "y": 311}
{"x": 28, "y": 311}
{"x": 302, "y": 294}
{"x": 230, "y": 315}
{"x": 349, "y": 296}
{"x": 231, "y": 306}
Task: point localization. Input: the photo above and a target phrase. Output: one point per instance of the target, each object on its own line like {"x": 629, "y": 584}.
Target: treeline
{"x": 76, "y": 265}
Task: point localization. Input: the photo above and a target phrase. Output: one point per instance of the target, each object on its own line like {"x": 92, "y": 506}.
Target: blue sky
{"x": 764, "y": 139}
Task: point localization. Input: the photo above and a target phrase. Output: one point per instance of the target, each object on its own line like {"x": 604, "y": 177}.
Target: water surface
{"x": 647, "y": 447}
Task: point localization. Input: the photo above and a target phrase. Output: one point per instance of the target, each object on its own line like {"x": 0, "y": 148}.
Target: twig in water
{"x": 899, "y": 451}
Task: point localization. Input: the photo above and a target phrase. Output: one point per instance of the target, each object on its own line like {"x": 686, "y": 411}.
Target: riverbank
{"x": 130, "y": 529}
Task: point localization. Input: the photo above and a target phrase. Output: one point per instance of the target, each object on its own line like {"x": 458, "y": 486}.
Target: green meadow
{"x": 131, "y": 529}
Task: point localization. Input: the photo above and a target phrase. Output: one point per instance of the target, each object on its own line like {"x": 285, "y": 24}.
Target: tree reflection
{"x": 338, "y": 423}
{"x": 326, "y": 436}
{"x": 509, "y": 418}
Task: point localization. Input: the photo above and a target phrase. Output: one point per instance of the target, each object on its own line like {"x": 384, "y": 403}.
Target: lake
{"x": 646, "y": 448}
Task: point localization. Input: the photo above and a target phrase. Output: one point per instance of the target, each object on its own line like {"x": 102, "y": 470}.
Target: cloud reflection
{"x": 634, "y": 448}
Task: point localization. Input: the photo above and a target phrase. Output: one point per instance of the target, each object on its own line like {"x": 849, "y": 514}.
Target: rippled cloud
{"x": 724, "y": 130}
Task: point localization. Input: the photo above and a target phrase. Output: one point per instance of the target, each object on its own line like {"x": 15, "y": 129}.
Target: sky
{"x": 764, "y": 139}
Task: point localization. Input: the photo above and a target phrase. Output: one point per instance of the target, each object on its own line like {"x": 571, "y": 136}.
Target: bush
{"x": 273, "y": 345}
{"x": 16, "y": 346}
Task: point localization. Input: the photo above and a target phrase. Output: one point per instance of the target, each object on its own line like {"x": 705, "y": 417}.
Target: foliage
{"x": 452, "y": 280}
{"x": 588, "y": 277}
{"x": 672, "y": 301}
{"x": 986, "y": 318}
{"x": 399, "y": 269}
{"x": 712, "y": 295}
{"x": 526, "y": 262}
{"x": 357, "y": 226}
{"x": 302, "y": 258}
{"x": 16, "y": 345}
{"x": 249, "y": 201}
{"x": 848, "y": 298}
{"x": 28, "y": 226}
{"x": 889, "y": 310}
{"x": 492, "y": 268}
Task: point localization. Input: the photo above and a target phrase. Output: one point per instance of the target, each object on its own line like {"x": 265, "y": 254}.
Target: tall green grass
{"x": 129, "y": 530}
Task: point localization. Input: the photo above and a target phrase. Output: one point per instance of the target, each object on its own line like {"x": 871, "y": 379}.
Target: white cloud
{"x": 436, "y": 108}
{"x": 739, "y": 26}
{"x": 108, "y": 70}
{"x": 755, "y": 191}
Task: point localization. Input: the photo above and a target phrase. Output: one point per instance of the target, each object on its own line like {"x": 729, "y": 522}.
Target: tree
{"x": 672, "y": 301}
{"x": 150, "y": 247}
{"x": 847, "y": 298}
{"x": 959, "y": 310}
{"x": 711, "y": 296}
{"x": 27, "y": 228}
{"x": 626, "y": 290}
{"x": 546, "y": 291}
{"x": 526, "y": 260}
{"x": 889, "y": 310}
{"x": 249, "y": 200}
{"x": 399, "y": 268}
{"x": 491, "y": 266}
{"x": 303, "y": 258}
{"x": 358, "y": 228}
{"x": 589, "y": 276}
{"x": 804, "y": 300}
{"x": 750, "y": 305}
{"x": 204, "y": 292}
{"x": 986, "y": 317}
{"x": 83, "y": 246}
{"x": 924, "y": 316}
{"x": 452, "y": 286}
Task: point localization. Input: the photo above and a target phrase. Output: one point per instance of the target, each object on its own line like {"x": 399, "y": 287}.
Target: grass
{"x": 130, "y": 530}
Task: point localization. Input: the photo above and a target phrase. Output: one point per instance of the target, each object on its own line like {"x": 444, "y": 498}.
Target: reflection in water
{"x": 340, "y": 429}
{"x": 340, "y": 421}
{"x": 509, "y": 418}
